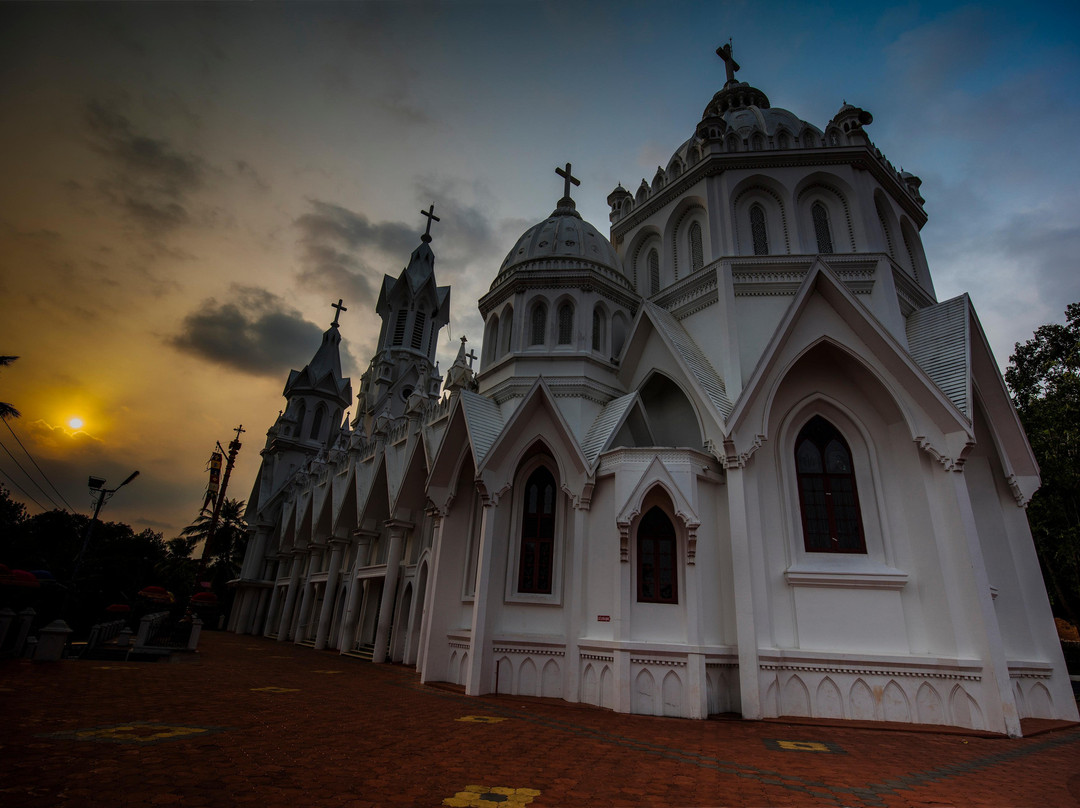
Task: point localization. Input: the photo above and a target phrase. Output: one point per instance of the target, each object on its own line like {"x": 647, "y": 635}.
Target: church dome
{"x": 563, "y": 239}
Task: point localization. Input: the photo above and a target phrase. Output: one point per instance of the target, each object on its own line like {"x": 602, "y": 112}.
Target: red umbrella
{"x": 118, "y": 608}
{"x": 20, "y": 579}
{"x": 207, "y": 598}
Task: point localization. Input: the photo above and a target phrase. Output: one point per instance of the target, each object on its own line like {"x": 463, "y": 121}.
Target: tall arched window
{"x": 697, "y": 254}
{"x": 537, "y": 533}
{"x": 566, "y": 323}
{"x": 758, "y": 231}
{"x": 821, "y": 228}
{"x": 828, "y": 497}
{"x": 910, "y": 253}
{"x": 539, "y": 324}
{"x": 657, "y": 576}
{"x": 507, "y": 328}
{"x": 418, "y": 330}
{"x": 598, "y": 328}
{"x": 316, "y": 422}
{"x": 884, "y": 226}
{"x": 399, "y": 326}
{"x": 301, "y": 414}
{"x": 654, "y": 272}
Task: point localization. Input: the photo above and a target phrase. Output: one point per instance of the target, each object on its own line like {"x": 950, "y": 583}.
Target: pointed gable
{"x": 606, "y": 426}
{"x": 484, "y": 422}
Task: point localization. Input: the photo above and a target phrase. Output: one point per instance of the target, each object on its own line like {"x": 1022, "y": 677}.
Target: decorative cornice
{"x": 734, "y": 459}
{"x": 1021, "y": 498}
{"x": 948, "y": 463}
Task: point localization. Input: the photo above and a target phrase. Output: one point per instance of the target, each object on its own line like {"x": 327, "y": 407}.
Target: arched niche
{"x": 672, "y": 418}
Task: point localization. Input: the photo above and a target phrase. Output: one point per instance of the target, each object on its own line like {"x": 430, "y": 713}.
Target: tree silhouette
{"x": 7, "y": 410}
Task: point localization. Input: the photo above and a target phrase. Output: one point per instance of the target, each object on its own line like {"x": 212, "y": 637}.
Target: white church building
{"x": 737, "y": 457}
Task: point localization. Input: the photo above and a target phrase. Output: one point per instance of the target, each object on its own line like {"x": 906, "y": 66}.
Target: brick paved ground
{"x": 255, "y": 722}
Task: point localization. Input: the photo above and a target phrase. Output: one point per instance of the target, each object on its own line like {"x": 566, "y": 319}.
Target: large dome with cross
{"x": 561, "y": 238}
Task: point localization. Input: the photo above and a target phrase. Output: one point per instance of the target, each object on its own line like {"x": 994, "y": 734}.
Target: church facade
{"x": 737, "y": 457}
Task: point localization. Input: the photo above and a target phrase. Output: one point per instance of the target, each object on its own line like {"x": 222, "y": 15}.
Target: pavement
{"x": 250, "y": 721}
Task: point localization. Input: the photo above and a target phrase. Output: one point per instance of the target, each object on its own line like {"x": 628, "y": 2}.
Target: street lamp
{"x": 97, "y": 485}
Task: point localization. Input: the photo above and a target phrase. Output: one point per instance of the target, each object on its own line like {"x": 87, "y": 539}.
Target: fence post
{"x": 193, "y": 638}
{"x": 26, "y": 619}
{"x": 51, "y": 642}
{"x": 143, "y": 636}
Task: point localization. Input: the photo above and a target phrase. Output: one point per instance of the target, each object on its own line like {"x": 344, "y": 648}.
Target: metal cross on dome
{"x": 339, "y": 308}
{"x": 567, "y": 179}
{"x": 724, "y": 52}
{"x": 431, "y": 217}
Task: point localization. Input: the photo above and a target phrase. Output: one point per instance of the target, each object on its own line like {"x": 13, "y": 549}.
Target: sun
{"x": 76, "y": 423}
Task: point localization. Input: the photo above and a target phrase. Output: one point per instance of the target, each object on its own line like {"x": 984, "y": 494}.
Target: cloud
{"x": 54, "y": 441}
{"x": 151, "y": 180}
{"x": 255, "y": 332}
{"x": 335, "y": 242}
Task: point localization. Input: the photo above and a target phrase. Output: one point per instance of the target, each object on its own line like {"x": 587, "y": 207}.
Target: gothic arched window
{"x": 507, "y": 328}
{"x": 657, "y": 576}
{"x": 598, "y": 328}
{"x": 537, "y": 533}
{"x": 418, "y": 330}
{"x": 828, "y": 498}
{"x": 566, "y": 323}
{"x": 758, "y": 231}
{"x": 884, "y": 226}
{"x": 301, "y": 414}
{"x": 654, "y": 272}
{"x": 539, "y": 324}
{"x": 316, "y": 422}
{"x": 399, "y": 326}
{"x": 820, "y": 216}
{"x": 697, "y": 255}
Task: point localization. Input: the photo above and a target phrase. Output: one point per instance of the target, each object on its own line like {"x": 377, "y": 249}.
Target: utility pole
{"x": 97, "y": 484}
{"x": 234, "y": 449}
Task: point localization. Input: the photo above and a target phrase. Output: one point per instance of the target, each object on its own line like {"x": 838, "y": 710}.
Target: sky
{"x": 186, "y": 188}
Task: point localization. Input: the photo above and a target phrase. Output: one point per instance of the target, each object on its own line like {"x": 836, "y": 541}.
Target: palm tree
{"x": 226, "y": 547}
{"x": 7, "y": 410}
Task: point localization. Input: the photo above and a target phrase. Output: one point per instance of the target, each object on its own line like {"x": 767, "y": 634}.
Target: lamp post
{"x": 97, "y": 485}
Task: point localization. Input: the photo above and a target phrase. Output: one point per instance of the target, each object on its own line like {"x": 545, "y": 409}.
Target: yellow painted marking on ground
{"x": 491, "y": 797}
{"x": 137, "y": 732}
{"x": 481, "y": 719}
{"x": 326, "y": 671}
{"x": 276, "y": 689}
{"x": 115, "y": 668}
{"x": 803, "y": 746}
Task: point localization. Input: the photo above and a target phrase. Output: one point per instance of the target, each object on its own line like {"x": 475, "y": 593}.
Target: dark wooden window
{"x": 399, "y": 326}
{"x": 316, "y": 423}
{"x": 697, "y": 255}
{"x": 828, "y": 498}
{"x": 598, "y": 328}
{"x": 821, "y": 228}
{"x": 566, "y": 324}
{"x": 418, "y": 330}
{"x": 654, "y": 272}
{"x": 537, "y": 533}
{"x": 758, "y": 231}
{"x": 657, "y": 576}
{"x": 539, "y": 324}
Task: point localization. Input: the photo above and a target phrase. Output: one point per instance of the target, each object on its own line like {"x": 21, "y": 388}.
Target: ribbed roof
{"x": 607, "y": 421}
{"x": 696, "y": 361}
{"x": 939, "y": 342}
{"x": 484, "y": 420}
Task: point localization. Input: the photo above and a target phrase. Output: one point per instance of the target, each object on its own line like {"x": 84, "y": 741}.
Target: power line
{"x": 24, "y": 493}
{"x": 44, "y": 476}
{"x": 44, "y": 493}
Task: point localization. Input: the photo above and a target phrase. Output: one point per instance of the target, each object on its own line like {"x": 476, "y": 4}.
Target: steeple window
{"x": 758, "y": 230}
{"x": 598, "y": 328}
{"x": 399, "y": 326}
{"x": 654, "y": 272}
{"x": 821, "y": 228}
{"x": 566, "y": 324}
{"x": 539, "y": 324}
{"x": 317, "y": 422}
{"x": 418, "y": 330}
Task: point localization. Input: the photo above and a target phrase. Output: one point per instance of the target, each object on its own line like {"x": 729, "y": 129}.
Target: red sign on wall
{"x": 603, "y": 618}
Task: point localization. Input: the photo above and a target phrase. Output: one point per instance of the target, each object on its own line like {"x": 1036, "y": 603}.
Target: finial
{"x": 568, "y": 178}
{"x": 337, "y": 314}
{"x": 431, "y": 217}
{"x": 726, "y": 53}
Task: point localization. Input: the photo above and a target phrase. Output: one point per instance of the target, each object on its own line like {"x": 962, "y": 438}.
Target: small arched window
{"x": 910, "y": 253}
{"x": 697, "y": 254}
{"x": 599, "y": 323}
{"x": 884, "y": 226}
{"x": 507, "y": 329}
{"x": 491, "y": 339}
{"x": 828, "y": 498}
{"x": 758, "y": 230}
{"x": 657, "y": 576}
{"x": 822, "y": 233}
{"x": 316, "y": 423}
{"x": 566, "y": 324}
{"x": 539, "y": 324}
{"x": 537, "y": 533}
{"x": 654, "y": 272}
{"x": 301, "y": 414}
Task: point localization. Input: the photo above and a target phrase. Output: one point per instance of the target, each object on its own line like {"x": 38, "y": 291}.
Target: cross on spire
{"x": 471, "y": 355}
{"x": 567, "y": 179}
{"x": 337, "y": 314}
{"x": 724, "y": 52}
{"x": 431, "y": 217}
{"x": 238, "y": 430}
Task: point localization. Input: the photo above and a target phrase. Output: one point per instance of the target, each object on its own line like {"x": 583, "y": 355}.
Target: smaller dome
{"x": 563, "y": 237}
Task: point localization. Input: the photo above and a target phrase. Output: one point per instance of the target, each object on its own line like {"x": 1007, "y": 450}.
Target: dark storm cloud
{"x": 151, "y": 179}
{"x": 254, "y": 331}
{"x": 332, "y": 241}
